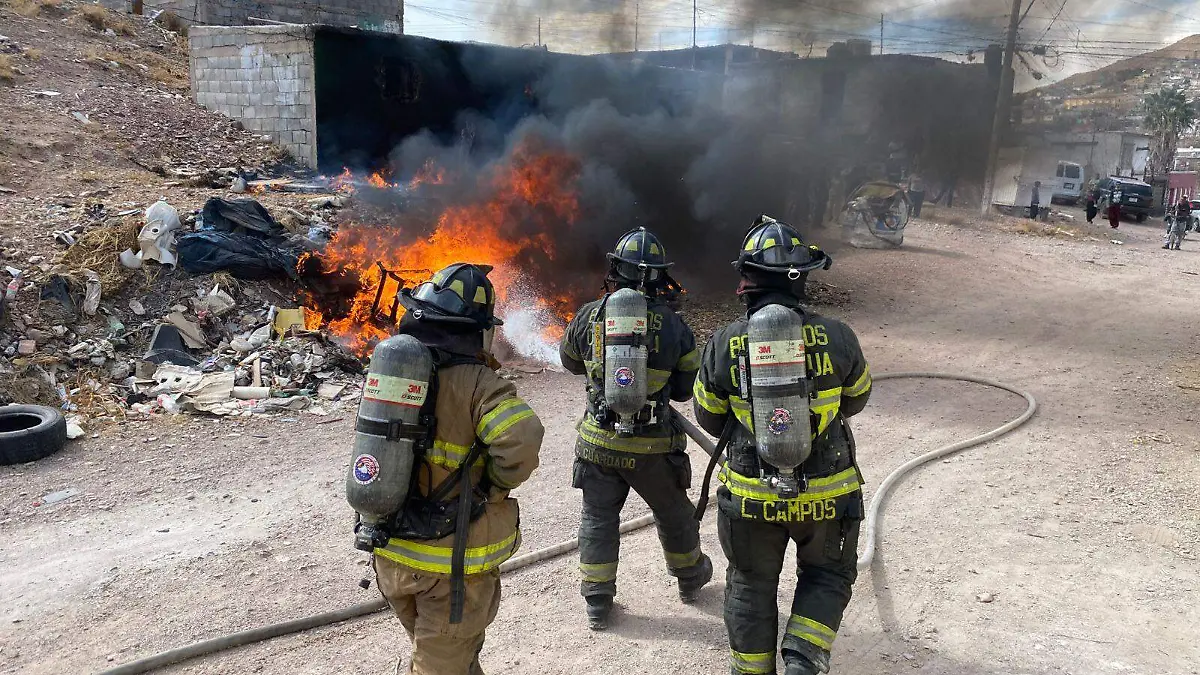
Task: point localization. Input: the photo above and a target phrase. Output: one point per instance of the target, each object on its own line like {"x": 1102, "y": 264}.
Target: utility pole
{"x": 881, "y": 34}
{"x": 637, "y": 15}
{"x": 539, "y": 31}
{"x": 1003, "y": 101}
{"x": 694, "y": 34}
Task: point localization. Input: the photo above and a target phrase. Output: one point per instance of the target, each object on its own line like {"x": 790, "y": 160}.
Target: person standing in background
{"x": 1114, "y": 208}
{"x": 1091, "y": 206}
{"x": 1035, "y": 202}
{"x": 916, "y": 194}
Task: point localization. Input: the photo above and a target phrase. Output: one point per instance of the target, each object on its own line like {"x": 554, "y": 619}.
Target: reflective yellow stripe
{"x": 860, "y": 386}
{"x": 689, "y": 361}
{"x": 602, "y": 438}
{"x": 829, "y": 487}
{"x": 756, "y": 664}
{"x": 741, "y": 410}
{"x": 501, "y": 418}
{"x": 709, "y": 401}
{"x": 825, "y": 406}
{"x": 678, "y": 561}
{"x": 598, "y": 573}
{"x": 817, "y": 633}
{"x": 437, "y": 559}
{"x": 656, "y": 380}
{"x": 448, "y": 455}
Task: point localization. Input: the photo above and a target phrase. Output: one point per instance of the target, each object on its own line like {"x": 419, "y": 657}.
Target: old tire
{"x": 1141, "y": 217}
{"x": 30, "y": 432}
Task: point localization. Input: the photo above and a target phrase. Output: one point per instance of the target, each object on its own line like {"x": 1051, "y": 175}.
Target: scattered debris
{"x": 986, "y": 598}
{"x": 157, "y": 238}
{"x": 61, "y": 495}
{"x": 192, "y": 336}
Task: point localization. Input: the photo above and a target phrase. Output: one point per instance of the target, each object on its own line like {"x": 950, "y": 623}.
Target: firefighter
{"x": 480, "y": 422}
{"x": 646, "y": 450}
{"x": 823, "y": 510}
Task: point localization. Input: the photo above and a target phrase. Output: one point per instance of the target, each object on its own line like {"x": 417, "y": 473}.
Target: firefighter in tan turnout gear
{"x": 469, "y": 440}
{"x": 638, "y": 356}
{"x": 784, "y": 379}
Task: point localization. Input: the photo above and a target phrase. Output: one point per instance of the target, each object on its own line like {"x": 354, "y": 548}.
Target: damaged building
{"x": 809, "y": 129}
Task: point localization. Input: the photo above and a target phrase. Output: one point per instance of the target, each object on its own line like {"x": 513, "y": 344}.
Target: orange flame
{"x": 506, "y": 226}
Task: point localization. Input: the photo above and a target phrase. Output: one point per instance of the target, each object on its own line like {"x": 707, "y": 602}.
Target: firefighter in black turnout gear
{"x": 816, "y": 502}
{"x": 638, "y": 356}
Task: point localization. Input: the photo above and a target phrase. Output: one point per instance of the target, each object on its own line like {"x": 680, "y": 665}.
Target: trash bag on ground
{"x": 242, "y": 255}
{"x": 227, "y": 215}
{"x": 875, "y": 215}
{"x": 239, "y": 236}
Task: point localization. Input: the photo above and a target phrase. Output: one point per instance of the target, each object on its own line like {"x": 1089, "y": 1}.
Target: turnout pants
{"x": 826, "y": 555}
{"x": 662, "y": 481}
{"x": 422, "y": 602}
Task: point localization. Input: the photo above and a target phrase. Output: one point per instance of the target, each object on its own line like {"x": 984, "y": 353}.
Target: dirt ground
{"x": 1082, "y": 525}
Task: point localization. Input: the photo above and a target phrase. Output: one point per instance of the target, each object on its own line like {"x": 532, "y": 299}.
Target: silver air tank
{"x": 625, "y": 356}
{"x": 381, "y": 466}
{"x": 779, "y": 393}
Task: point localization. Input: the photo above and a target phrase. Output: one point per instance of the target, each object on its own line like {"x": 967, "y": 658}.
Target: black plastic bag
{"x": 242, "y": 255}
{"x": 226, "y": 215}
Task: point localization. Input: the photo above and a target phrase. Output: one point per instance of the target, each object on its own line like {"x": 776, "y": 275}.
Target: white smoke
{"x": 526, "y": 320}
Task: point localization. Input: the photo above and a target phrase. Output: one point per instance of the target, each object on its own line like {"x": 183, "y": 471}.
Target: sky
{"x": 1078, "y": 35}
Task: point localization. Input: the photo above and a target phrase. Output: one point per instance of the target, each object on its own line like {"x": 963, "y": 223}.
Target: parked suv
{"x": 1137, "y": 198}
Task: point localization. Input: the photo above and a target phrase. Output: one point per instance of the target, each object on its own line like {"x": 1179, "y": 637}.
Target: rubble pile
{"x": 139, "y": 335}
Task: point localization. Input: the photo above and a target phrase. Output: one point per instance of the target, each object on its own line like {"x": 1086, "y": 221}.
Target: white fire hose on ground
{"x": 871, "y": 526}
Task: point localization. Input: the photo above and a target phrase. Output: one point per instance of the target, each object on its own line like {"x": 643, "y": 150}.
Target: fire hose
{"x": 865, "y": 560}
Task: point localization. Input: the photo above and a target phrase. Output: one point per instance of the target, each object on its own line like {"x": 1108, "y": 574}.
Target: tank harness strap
{"x": 392, "y": 430}
{"x": 722, "y": 443}
{"x": 462, "y": 529}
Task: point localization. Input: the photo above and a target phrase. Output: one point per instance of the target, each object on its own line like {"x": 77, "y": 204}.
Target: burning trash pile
{"x": 501, "y": 217}
{"x": 235, "y": 309}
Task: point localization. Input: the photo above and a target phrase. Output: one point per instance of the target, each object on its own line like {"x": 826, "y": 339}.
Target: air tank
{"x": 779, "y": 387}
{"x": 381, "y": 465}
{"x": 625, "y": 354}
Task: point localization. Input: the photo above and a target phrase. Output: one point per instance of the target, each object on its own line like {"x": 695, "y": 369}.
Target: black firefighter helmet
{"x": 639, "y": 257}
{"x": 460, "y": 293}
{"x": 776, "y": 247}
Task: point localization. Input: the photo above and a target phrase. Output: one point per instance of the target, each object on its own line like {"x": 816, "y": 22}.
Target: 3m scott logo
{"x": 398, "y": 390}
{"x": 764, "y": 349}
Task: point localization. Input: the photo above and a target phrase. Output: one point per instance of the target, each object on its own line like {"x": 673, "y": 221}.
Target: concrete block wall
{"x": 261, "y": 76}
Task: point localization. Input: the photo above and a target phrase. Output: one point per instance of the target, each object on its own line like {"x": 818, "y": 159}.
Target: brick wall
{"x": 261, "y": 76}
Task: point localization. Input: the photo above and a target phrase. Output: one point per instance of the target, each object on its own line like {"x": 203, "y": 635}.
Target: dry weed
{"x": 34, "y": 54}
{"x": 99, "y": 249}
{"x": 7, "y": 72}
{"x": 25, "y": 8}
{"x": 100, "y": 18}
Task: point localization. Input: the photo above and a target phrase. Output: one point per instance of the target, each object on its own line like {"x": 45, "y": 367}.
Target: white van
{"x": 1068, "y": 183}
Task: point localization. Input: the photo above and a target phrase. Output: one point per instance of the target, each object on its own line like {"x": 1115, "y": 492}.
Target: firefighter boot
{"x": 689, "y": 587}
{"x": 796, "y": 663}
{"x": 598, "y": 609}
